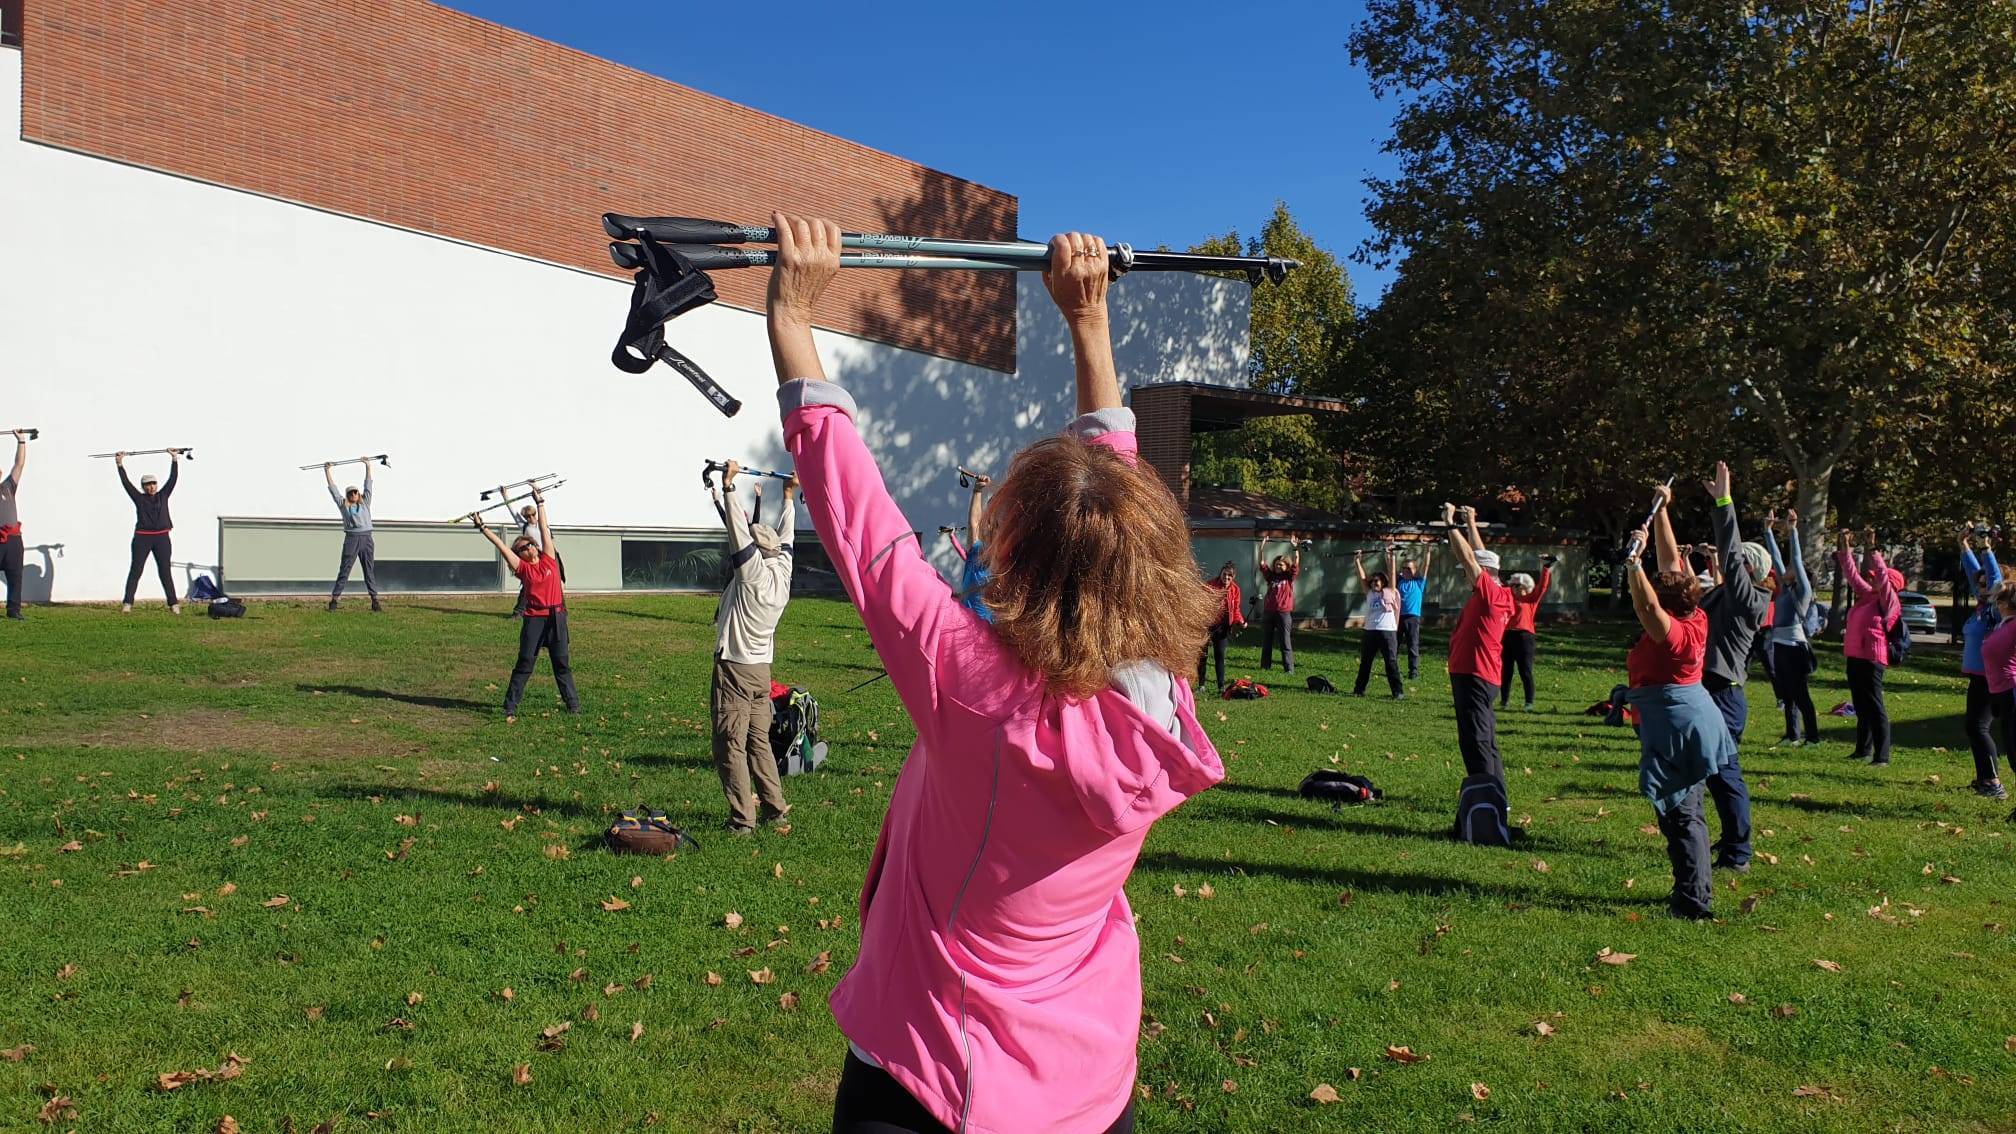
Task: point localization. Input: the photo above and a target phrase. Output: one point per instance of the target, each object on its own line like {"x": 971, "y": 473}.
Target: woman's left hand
{"x": 1079, "y": 274}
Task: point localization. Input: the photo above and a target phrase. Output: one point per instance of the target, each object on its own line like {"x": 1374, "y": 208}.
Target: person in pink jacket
{"x": 1866, "y": 642}
{"x": 1998, "y": 666}
{"x": 998, "y": 986}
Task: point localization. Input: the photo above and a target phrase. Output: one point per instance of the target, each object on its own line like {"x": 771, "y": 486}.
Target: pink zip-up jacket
{"x": 1998, "y": 657}
{"x": 1867, "y": 634}
{"x": 999, "y": 979}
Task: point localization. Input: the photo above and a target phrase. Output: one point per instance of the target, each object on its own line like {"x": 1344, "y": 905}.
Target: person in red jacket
{"x": 1278, "y": 609}
{"x": 1521, "y": 639}
{"x": 1475, "y": 664}
{"x": 537, "y": 565}
{"x": 1225, "y": 591}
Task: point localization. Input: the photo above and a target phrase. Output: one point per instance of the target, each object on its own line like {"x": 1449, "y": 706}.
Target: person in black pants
{"x": 1381, "y": 637}
{"x": 1225, "y": 590}
{"x": 1412, "y": 583}
{"x": 151, "y": 528}
{"x": 10, "y": 528}
{"x": 1277, "y": 581}
{"x": 545, "y": 625}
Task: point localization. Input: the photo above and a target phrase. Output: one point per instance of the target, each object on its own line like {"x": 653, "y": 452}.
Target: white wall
{"x": 267, "y": 335}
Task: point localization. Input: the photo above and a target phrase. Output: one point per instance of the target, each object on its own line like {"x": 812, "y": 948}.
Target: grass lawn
{"x": 310, "y": 840}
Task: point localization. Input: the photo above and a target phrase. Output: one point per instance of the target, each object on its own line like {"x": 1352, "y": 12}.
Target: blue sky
{"x": 1149, "y": 123}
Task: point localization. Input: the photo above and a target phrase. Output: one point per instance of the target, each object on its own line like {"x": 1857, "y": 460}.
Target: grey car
{"x": 1920, "y": 617}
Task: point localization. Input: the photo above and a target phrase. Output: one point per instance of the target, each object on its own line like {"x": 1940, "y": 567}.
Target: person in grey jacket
{"x": 745, "y": 628}
{"x": 354, "y": 505}
{"x": 1737, "y": 608}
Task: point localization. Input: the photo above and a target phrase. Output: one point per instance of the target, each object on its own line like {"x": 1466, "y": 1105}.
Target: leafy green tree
{"x": 1780, "y": 229}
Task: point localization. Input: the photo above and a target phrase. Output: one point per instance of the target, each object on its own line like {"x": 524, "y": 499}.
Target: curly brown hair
{"x": 1091, "y": 568}
{"x": 1678, "y": 592}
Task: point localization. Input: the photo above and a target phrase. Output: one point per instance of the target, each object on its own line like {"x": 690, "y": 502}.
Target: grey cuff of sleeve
{"x": 1099, "y": 422}
{"x": 801, "y": 392}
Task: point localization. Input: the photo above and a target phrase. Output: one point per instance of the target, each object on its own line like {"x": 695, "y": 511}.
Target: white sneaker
{"x": 125, "y": 608}
{"x": 174, "y": 608}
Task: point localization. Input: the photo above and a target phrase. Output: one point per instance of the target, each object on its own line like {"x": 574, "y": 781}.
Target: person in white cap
{"x": 1476, "y": 663}
{"x": 745, "y": 629}
{"x": 152, "y": 526}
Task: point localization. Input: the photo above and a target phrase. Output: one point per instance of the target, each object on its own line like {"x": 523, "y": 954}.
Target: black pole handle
{"x": 33, "y": 434}
{"x": 683, "y": 230}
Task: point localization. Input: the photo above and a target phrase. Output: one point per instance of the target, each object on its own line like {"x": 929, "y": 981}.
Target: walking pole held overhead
{"x": 968, "y": 476}
{"x": 381, "y": 458}
{"x": 184, "y": 451}
{"x": 534, "y": 482}
{"x": 1636, "y": 547}
{"x": 496, "y": 504}
{"x": 722, "y": 467}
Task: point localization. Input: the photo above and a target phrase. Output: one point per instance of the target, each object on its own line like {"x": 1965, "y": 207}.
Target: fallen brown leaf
{"x": 1479, "y": 1091}
{"x": 227, "y": 1125}
{"x": 507, "y": 994}
{"x": 1738, "y": 998}
{"x": 1205, "y": 891}
{"x": 521, "y": 1074}
{"x": 1353, "y": 1074}
{"x": 636, "y": 1030}
{"x": 1606, "y": 956}
{"x": 761, "y": 976}
{"x": 732, "y": 920}
{"x": 1542, "y": 1028}
{"x": 788, "y": 1001}
{"x": 66, "y": 972}
{"x": 225, "y": 891}
{"x": 276, "y": 901}
{"x": 17, "y": 1054}
{"x": 555, "y": 1031}
{"x": 1540, "y": 865}
{"x": 413, "y": 998}
{"x": 614, "y": 904}
{"x": 314, "y": 1011}
{"x": 1830, "y": 966}
{"x": 1325, "y": 1094}
{"x": 1749, "y": 904}
{"x": 1785, "y": 1011}
{"x": 1404, "y": 1055}
{"x": 820, "y": 963}
{"x": 712, "y": 979}
{"x": 58, "y": 1107}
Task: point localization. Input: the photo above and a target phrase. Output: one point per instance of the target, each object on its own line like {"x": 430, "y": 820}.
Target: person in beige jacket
{"x": 745, "y": 630}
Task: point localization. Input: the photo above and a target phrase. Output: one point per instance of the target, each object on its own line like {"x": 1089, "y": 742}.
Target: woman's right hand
{"x": 1079, "y": 275}
{"x": 808, "y": 257}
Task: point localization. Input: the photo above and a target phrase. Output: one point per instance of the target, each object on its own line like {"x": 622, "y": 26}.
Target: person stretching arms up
{"x": 1225, "y": 599}
{"x": 998, "y": 985}
{"x": 354, "y": 505}
{"x": 1522, "y": 634}
{"x": 1278, "y": 615}
{"x": 11, "y": 549}
{"x": 1682, "y": 739}
{"x": 1381, "y": 636}
{"x": 545, "y": 626}
{"x": 973, "y": 581}
{"x": 745, "y": 645}
{"x": 1866, "y": 643}
{"x": 1792, "y": 659}
{"x": 151, "y": 528}
{"x": 1476, "y": 665}
{"x": 1981, "y": 576}
{"x": 1413, "y": 588}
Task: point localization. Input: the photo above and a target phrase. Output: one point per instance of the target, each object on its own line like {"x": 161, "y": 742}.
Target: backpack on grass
{"x": 1481, "y": 812}
{"x": 1320, "y": 684}
{"x": 794, "y": 731}
{"x": 227, "y": 608}
{"x": 1339, "y": 788}
{"x": 204, "y": 589}
{"x": 1244, "y": 689}
{"x": 646, "y": 831}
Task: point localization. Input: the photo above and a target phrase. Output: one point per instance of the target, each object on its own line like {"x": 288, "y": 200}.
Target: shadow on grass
{"x": 1396, "y": 882}
{"x": 469, "y": 612}
{"x": 1359, "y": 820}
{"x": 497, "y": 801}
{"x": 624, "y": 612}
{"x": 403, "y": 698}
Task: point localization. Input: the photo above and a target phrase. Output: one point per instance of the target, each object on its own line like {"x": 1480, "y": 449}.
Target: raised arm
{"x": 1800, "y": 581}
{"x": 787, "y": 520}
{"x": 1666, "y": 553}
{"x": 1734, "y": 573}
{"x": 1969, "y": 566}
{"x": 329, "y": 477}
{"x": 974, "y": 508}
{"x": 367, "y": 481}
{"x": 1546, "y": 581}
{"x": 20, "y": 457}
{"x": 1080, "y": 292}
{"x": 1849, "y": 572}
{"x": 1393, "y": 568}
{"x": 743, "y": 558}
{"x": 119, "y": 461}
{"x": 1879, "y": 569}
{"x": 1358, "y": 561}
{"x": 1465, "y": 557}
{"x": 545, "y": 533}
{"x": 1475, "y": 533}
{"x": 174, "y": 472}
{"x": 477, "y": 519}
{"x": 1644, "y": 603}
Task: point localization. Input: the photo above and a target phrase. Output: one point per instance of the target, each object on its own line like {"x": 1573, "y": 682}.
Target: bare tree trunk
{"x": 1816, "y": 535}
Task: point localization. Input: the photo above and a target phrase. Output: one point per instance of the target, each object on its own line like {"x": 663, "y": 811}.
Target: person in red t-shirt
{"x": 537, "y": 565}
{"x": 1225, "y": 591}
{"x": 1475, "y": 664}
{"x": 1278, "y": 611}
{"x": 1521, "y": 638}
{"x": 1682, "y": 739}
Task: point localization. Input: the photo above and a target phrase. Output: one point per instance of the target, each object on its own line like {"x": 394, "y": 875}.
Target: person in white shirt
{"x": 745, "y": 629}
{"x": 1382, "y": 626}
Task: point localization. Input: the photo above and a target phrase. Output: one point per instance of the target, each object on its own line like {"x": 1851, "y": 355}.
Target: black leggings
{"x": 1519, "y": 647}
{"x": 871, "y": 1101}
{"x": 162, "y": 549}
{"x": 1379, "y": 644}
{"x": 1872, "y": 715}
{"x": 1281, "y": 623}
{"x": 1791, "y": 666}
{"x": 548, "y": 631}
{"x": 10, "y": 565}
{"x": 1215, "y": 648}
{"x": 1985, "y": 711}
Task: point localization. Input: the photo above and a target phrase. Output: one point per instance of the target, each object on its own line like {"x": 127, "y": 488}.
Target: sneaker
{"x": 1529, "y": 706}
{"x": 1879, "y": 761}
{"x": 174, "y": 608}
{"x": 575, "y": 709}
{"x": 18, "y": 616}
{"x": 738, "y": 831}
{"x": 510, "y": 717}
{"x": 1990, "y": 789}
{"x": 376, "y": 608}
{"x": 1399, "y": 696}
{"x": 125, "y": 608}
{"x": 1732, "y": 864}
{"x": 776, "y": 818}
{"x": 332, "y": 604}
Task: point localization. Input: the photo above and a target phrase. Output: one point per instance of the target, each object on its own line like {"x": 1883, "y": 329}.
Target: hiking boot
{"x": 1732, "y": 864}
{"x": 376, "y": 607}
{"x": 332, "y": 604}
{"x": 1990, "y": 789}
{"x": 736, "y": 830}
{"x": 778, "y": 818}
{"x": 18, "y": 616}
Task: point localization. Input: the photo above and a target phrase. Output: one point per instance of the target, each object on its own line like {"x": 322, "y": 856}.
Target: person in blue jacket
{"x": 1413, "y": 587}
{"x": 1792, "y": 657}
{"x": 1980, "y": 574}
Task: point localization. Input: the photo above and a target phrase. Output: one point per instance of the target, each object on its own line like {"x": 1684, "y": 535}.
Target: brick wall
{"x": 408, "y": 113}
{"x": 1162, "y": 424}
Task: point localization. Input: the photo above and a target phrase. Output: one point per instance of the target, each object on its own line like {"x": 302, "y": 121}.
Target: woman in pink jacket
{"x": 1866, "y": 642}
{"x": 1998, "y": 665}
{"x": 999, "y": 982}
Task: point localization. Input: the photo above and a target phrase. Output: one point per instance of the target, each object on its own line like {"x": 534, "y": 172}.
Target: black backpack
{"x": 1481, "y": 812}
{"x": 227, "y": 608}
{"x": 1338, "y": 788}
{"x": 794, "y": 732}
{"x": 1899, "y": 636}
{"x": 1320, "y": 684}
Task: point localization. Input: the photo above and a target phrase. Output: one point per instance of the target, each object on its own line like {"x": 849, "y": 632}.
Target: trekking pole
{"x": 381, "y": 458}
{"x": 185, "y": 451}
{"x": 496, "y": 504}
{"x": 866, "y": 683}
{"x": 968, "y": 476}
{"x": 690, "y": 233}
{"x": 515, "y": 484}
{"x": 722, "y": 467}
{"x": 33, "y": 434}
{"x": 1636, "y": 547}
